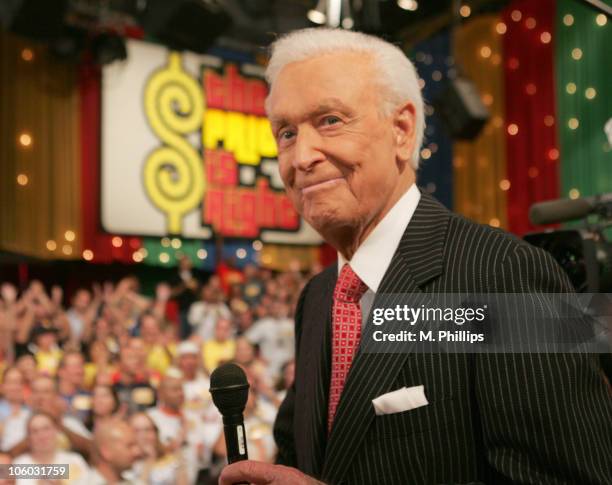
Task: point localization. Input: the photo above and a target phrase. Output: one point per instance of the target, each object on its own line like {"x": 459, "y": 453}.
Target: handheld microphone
{"x": 230, "y": 390}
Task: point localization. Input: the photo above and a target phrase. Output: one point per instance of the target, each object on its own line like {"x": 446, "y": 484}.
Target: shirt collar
{"x": 372, "y": 258}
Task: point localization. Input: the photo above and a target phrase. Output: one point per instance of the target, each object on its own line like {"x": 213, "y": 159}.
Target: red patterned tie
{"x": 346, "y": 332}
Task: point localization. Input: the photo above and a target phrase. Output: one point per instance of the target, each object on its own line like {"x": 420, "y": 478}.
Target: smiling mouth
{"x": 321, "y": 185}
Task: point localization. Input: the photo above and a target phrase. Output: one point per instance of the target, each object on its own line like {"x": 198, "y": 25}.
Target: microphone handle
{"x": 235, "y": 438}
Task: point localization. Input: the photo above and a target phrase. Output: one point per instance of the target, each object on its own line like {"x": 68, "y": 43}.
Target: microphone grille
{"x": 229, "y": 388}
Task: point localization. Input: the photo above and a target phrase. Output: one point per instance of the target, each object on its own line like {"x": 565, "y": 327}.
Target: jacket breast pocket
{"x": 435, "y": 415}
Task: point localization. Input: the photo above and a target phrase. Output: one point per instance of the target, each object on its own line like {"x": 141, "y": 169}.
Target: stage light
{"x": 176, "y": 243}
{"x": 241, "y": 253}
{"x": 531, "y": 89}
{"x": 504, "y": 184}
{"x": 117, "y": 242}
{"x": 530, "y": 23}
{"x": 27, "y": 54}
{"x": 202, "y": 253}
{"x": 67, "y": 249}
{"x": 164, "y": 258}
{"x": 88, "y": 255}
{"x": 545, "y": 37}
{"x": 257, "y": 245}
{"x": 573, "y": 123}
{"x": 574, "y": 193}
{"x": 425, "y": 153}
{"x": 494, "y": 222}
{"x": 570, "y": 88}
{"x": 533, "y": 172}
{"x": 410, "y": 5}
{"x": 165, "y": 242}
{"x": 577, "y": 54}
{"x": 553, "y": 154}
{"x": 465, "y": 11}
{"x": 137, "y": 257}
{"x": 568, "y": 19}
{"x": 601, "y": 20}
{"x": 69, "y": 236}
{"x": 22, "y": 179}
{"x": 25, "y": 139}
{"x": 317, "y": 15}
{"x": 549, "y": 120}
{"x": 516, "y": 15}
{"x": 51, "y": 245}
{"x": 501, "y": 28}
{"x": 485, "y": 51}
{"x": 590, "y": 93}
{"x": 512, "y": 129}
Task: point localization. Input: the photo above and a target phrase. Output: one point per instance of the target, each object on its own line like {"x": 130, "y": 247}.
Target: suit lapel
{"x": 318, "y": 328}
{"x": 418, "y": 259}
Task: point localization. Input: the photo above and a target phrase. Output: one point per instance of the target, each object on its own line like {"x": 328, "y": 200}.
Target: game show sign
{"x": 187, "y": 151}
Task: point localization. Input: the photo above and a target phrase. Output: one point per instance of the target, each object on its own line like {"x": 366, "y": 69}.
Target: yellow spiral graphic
{"x": 173, "y": 173}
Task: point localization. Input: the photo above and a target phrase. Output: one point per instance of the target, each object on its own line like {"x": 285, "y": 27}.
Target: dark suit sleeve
{"x": 283, "y": 426}
{"x": 546, "y": 418}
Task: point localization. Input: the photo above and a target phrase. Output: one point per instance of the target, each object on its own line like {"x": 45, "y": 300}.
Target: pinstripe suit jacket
{"x": 528, "y": 418}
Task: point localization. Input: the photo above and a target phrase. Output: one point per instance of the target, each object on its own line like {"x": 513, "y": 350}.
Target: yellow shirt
{"x": 158, "y": 359}
{"x": 48, "y": 361}
{"x": 214, "y": 353}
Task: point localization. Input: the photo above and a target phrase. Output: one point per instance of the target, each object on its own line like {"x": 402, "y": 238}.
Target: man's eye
{"x": 285, "y": 135}
{"x": 331, "y": 120}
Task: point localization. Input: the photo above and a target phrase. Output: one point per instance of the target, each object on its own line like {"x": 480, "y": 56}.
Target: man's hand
{"x": 257, "y": 473}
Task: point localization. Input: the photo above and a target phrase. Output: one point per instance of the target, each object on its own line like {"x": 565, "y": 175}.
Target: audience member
{"x": 42, "y": 436}
{"x": 105, "y": 406}
{"x": 71, "y": 385}
{"x": 275, "y": 337}
{"x": 115, "y": 451}
{"x": 156, "y": 466}
{"x": 221, "y": 348}
{"x": 204, "y": 314}
{"x": 14, "y": 414}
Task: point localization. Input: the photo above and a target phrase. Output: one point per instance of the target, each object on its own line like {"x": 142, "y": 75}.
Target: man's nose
{"x": 308, "y": 150}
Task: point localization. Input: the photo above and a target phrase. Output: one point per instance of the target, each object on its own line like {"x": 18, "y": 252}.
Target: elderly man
{"x": 347, "y": 115}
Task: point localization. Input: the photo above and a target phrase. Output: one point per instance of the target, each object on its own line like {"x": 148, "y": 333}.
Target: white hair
{"x": 397, "y": 74}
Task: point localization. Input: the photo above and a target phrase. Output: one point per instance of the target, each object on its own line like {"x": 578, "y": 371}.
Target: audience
{"x": 107, "y": 380}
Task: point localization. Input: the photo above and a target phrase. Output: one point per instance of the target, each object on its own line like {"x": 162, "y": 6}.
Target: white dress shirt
{"x": 371, "y": 260}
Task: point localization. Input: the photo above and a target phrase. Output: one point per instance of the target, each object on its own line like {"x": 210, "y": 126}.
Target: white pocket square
{"x": 403, "y": 399}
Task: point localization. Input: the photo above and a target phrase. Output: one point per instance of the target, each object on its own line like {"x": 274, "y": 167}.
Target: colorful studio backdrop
{"x": 170, "y": 153}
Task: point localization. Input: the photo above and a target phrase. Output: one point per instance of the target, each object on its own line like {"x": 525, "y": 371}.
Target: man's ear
{"x": 404, "y": 126}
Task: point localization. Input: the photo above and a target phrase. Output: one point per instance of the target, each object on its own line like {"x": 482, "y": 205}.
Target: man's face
{"x": 43, "y": 393}
{"x": 81, "y": 300}
{"x": 172, "y": 392}
{"x": 340, "y": 159}
{"x": 73, "y": 370}
{"x": 188, "y": 363}
{"x": 124, "y": 450}
{"x": 223, "y": 330}
{"x": 130, "y": 362}
{"x": 12, "y": 387}
{"x": 149, "y": 330}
